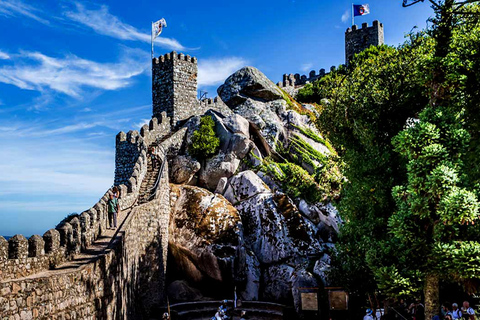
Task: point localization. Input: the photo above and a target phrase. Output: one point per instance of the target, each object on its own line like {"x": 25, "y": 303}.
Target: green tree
{"x": 205, "y": 142}
{"x": 437, "y": 203}
{"x": 433, "y": 208}
{"x": 362, "y": 108}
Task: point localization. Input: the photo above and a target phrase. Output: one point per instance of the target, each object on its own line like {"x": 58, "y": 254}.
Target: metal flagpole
{"x": 353, "y": 17}
{"x": 152, "y": 40}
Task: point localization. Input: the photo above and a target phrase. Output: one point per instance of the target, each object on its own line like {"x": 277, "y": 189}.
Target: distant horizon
{"x": 72, "y": 75}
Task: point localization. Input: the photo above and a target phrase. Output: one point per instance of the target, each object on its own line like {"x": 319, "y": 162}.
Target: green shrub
{"x": 205, "y": 142}
{"x": 295, "y": 181}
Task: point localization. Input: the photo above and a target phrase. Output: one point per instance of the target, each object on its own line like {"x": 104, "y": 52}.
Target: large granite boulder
{"x": 183, "y": 168}
{"x": 219, "y": 166}
{"x": 248, "y": 82}
{"x": 205, "y": 231}
{"x": 237, "y": 124}
{"x": 283, "y": 282}
{"x": 273, "y": 226}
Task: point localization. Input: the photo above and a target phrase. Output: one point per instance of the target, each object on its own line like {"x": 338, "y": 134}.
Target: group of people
{"x": 416, "y": 311}
{"x": 465, "y": 312}
{"x": 223, "y": 313}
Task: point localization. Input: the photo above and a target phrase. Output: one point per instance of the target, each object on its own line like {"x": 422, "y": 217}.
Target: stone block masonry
{"x": 131, "y": 150}
{"x": 126, "y": 281}
{"x": 174, "y": 89}
{"x": 357, "y": 40}
{"x": 174, "y": 86}
{"x": 295, "y": 80}
{"x": 62, "y": 276}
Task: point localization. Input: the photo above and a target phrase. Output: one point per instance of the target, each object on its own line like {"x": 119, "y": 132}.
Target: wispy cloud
{"x": 306, "y": 67}
{"x": 346, "y": 16}
{"x": 141, "y": 123}
{"x": 15, "y": 8}
{"x": 215, "y": 71}
{"x": 4, "y": 56}
{"x": 105, "y": 23}
{"x": 69, "y": 74}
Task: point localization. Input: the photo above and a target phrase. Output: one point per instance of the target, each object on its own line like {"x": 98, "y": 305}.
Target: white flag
{"x": 157, "y": 28}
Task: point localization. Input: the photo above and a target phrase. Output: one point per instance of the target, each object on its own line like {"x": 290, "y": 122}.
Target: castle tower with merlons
{"x": 357, "y": 40}
{"x": 174, "y": 86}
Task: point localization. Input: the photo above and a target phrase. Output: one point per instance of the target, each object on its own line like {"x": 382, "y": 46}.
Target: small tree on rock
{"x": 205, "y": 142}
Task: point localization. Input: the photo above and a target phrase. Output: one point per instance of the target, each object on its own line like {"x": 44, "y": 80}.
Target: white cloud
{"x": 140, "y": 124}
{"x": 70, "y": 74}
{"x": 306, "y": 67}
{"x": 62, "y": 165}
{"x": 14, "y": 8}
{"x": 215, "y": 71}
{"x": 103, "y": 22}
{"x": 346, "y": 16}
{"x": 4, "y": 56}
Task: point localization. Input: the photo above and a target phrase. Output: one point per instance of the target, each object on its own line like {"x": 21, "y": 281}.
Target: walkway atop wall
{"x": 108, "y": 238}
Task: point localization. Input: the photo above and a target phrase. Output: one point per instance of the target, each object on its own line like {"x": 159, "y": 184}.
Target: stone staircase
{"x": 148, "y": 182}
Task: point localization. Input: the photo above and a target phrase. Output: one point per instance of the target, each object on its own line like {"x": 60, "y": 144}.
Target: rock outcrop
{"x": 253, "y": 232}
{"x": 205, "y": 231}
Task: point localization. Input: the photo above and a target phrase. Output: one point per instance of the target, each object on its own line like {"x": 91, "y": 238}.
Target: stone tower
{"x": 357, "y": 40}
{"x": 174, "y": 86}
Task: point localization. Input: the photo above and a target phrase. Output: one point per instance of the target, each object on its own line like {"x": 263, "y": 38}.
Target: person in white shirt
{"x": 468, "y": 313}
{"x": 456, "y": 313}
{"x": 368, "y": 316}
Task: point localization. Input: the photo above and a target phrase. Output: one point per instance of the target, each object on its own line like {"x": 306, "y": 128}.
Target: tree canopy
{"x": 406, "y": 123}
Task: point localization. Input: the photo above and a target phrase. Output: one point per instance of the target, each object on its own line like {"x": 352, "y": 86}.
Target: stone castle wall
{"x": 20, "y": 257}
{"x": 174, "y": 89}
{"x": 131, "y": 149}
{"x": 293, "y": 80}
{"x": 39, "y": 277}
{"x": 125, "y": 282}
{"x": 174, "y": 86}
{"x": 357, "y": 40}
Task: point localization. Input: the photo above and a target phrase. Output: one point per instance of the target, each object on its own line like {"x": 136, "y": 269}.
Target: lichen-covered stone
{"x": 204, "y": 232}
{"x": 183, "y": 169}
{"x": 248, "y": 82}
{"x": 36, "y": 246}
{"x": 18, "y": 247}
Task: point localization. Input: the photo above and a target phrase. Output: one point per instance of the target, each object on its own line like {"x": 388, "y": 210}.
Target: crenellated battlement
{"x": 376, "y": 24}
{"x": 215, "y": 104}
{"x": 174, "y": 86}
{"x": 131, "y": 149}
{"x": 359, "y": 39}
{"x": 293, "y": 80}
{"x": 169, "y": 57}
{"x": 21, "y": 257}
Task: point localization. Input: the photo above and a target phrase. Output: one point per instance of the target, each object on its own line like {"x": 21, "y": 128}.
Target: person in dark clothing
{"x": 419, "y": 311}
{"x": 113, "y": 210}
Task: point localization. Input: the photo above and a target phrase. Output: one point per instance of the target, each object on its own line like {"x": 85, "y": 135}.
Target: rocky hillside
{"x": 257, "y": 214}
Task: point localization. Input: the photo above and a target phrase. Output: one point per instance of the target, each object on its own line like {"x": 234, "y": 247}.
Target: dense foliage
{"x": 406, "y": 123}
{"x": 205, "y": 142}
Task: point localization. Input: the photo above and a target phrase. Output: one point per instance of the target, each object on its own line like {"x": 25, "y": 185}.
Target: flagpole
{"x": 152, "y": 41}
{"x": 353, "y": 16}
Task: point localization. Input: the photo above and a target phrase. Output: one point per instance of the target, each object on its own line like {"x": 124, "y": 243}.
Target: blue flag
{"x": 360, "y": 9}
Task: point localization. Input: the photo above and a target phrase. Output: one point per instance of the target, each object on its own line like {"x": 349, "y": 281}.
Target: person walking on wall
{"x": 153, "y": 157}
{"x": 113, "y": 210}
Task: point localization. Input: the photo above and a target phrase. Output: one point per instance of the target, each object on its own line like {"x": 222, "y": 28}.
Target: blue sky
{"x": 73, "y": 74}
